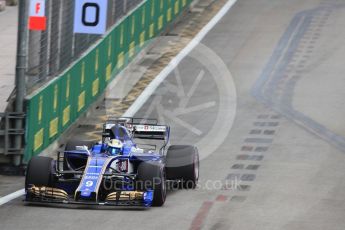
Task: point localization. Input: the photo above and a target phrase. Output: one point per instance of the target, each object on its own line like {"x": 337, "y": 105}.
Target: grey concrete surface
{"x": 293, "y": 181}
{"x": 8, "y": 46}
{"x": 10, "y": 184}
{"x": 121, "y": 86}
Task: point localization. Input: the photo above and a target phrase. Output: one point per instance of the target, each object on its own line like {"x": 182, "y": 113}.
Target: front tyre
{"x": 151, "y": 176}
{"x": 40, "y": 172}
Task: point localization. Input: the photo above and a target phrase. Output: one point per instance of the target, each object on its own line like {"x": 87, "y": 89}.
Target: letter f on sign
{"x": 37, "y": 18}
{"x": 38, "y": 7}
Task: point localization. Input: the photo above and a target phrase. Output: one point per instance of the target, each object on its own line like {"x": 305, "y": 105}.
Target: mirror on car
{"x": 82, "y": 148}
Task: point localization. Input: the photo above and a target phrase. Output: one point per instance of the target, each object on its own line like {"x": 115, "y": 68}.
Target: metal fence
{"x": 50, "y": 52}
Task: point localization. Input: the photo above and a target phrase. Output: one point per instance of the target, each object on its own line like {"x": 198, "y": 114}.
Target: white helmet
{"x": 115, "y": 147}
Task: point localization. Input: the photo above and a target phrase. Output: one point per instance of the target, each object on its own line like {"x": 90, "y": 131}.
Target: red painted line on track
{"x": 222, "y": 198}
{"x": 201, "y": 216}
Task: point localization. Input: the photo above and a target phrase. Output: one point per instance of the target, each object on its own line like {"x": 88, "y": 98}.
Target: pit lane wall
{"x": 54, "y": 107}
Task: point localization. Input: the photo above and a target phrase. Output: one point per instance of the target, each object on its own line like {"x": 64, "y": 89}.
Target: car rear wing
{"x": 130, "y": 120}
{"x": 141, "y": 128}
{"x": 157, "y": 132}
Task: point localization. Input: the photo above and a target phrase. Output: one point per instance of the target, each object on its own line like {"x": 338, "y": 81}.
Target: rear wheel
{"x": 183, "y": 165}
{"x": 40, "y": 172}
{"x": 151, "y": 176}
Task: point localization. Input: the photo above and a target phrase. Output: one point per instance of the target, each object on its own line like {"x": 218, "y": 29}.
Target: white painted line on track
{"x": 145, "y": 95}
{"x": 12, "y": 196}
{"x": 158, "y": 80}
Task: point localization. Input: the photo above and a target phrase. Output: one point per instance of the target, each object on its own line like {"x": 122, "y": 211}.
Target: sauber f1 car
{"x": 116, "y": 171}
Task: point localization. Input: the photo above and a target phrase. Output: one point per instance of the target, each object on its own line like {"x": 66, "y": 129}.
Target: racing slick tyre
{"x": 183, "y": 165}
{"x": 40, "y": 172}
{"x": 151, "y": 175}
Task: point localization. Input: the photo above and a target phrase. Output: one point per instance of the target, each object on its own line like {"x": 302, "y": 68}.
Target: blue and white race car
{"x": 114, "y": 171}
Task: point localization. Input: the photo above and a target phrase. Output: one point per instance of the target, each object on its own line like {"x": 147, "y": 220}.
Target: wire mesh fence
{"x": 51, "y": 51}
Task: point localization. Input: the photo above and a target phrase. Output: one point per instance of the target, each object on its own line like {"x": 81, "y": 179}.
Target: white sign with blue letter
{"x": 90, "y": 16}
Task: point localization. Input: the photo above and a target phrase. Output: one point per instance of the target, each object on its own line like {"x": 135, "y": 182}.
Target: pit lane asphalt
{"x": 288, "y": 173}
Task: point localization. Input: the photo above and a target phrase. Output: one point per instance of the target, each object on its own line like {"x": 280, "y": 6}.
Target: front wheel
{"x": 40, "y": 172}
{"x": 151, "y": 176}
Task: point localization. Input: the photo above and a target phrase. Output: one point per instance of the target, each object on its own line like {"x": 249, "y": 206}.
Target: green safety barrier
{"x": 54, "y": 107}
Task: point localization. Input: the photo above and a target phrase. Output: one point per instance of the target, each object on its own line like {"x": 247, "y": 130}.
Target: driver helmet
{"x": 115, "y": 147}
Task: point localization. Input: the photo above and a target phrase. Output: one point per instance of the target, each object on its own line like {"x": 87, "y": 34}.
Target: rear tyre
{"x": 151, "y": 175}
{"x": 40, "y": 172}
{"x": 183, "y": 165}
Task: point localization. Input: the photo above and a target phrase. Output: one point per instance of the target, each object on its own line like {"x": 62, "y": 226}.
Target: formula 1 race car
{"x": 116, "y": 171}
